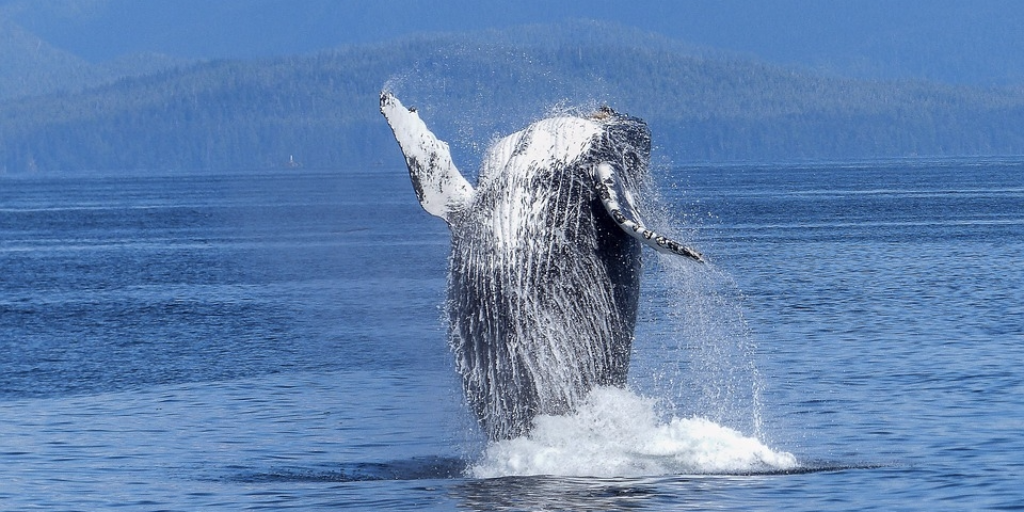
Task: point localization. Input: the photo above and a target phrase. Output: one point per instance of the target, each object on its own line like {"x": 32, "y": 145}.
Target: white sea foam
{"x": 617, "y": 433}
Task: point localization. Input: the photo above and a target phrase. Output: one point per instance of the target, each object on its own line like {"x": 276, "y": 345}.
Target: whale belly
{"x": 542, "y": 298}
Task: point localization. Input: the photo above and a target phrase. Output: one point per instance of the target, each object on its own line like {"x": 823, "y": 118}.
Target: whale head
{"x": 613, "y": 149}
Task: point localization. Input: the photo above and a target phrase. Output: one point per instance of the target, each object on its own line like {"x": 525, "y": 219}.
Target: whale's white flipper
{"x": 439, "y": 186}
{"x": 620, "y": 206}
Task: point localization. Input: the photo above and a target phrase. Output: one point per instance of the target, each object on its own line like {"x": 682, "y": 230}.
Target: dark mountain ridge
{"x": 321, "y": 110}
{"x": 952, "y": 41}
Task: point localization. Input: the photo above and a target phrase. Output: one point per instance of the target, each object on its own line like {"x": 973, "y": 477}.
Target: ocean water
{"x": 275, "y": 342}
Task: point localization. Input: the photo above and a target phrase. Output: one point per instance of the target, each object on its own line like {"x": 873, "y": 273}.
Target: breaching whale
{"x": 544, "y": 270}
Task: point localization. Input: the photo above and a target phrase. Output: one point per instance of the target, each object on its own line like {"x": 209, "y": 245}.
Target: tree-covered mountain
{"x": 321, "y": 110}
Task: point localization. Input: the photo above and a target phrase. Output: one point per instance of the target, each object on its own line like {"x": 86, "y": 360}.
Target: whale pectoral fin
{"x": 620, "y": 207}
{"x": 439, "y": 186}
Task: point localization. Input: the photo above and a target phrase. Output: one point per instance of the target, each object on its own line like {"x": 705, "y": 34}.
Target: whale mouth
{"x": 620, "y": 207}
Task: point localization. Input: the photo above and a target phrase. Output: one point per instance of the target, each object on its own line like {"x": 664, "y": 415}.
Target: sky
{"x": 974, "y": 42}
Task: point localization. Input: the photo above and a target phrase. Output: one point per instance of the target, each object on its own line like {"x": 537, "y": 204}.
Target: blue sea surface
{"x": 275, "y": 341}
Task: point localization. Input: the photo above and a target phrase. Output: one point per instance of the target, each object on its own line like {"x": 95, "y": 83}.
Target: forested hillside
{"x": 321, "y": 110}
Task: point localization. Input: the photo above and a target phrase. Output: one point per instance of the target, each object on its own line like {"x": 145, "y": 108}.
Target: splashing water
{"x": 696, "y": 356}
{"x": 617, "y": 433}
{"x": 694, "y": 351}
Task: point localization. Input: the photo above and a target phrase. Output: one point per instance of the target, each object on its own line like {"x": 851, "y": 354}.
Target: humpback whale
{"x": 544, "y": 269}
